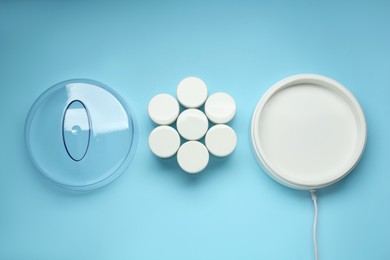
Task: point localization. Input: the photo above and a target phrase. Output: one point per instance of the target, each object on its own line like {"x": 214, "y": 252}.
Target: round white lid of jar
{"x": 164, "y": 141}
{"x": 193, "y": 157}
{"x": 221, "y": 140}
{"x": 192, "y": 124}
{"x": 192, "y": 92}
{"x": 163, "y": 109}
{"x": 220, "y": 108}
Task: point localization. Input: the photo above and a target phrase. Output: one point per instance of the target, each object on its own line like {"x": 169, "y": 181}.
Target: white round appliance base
{"x": 308, "y": 131}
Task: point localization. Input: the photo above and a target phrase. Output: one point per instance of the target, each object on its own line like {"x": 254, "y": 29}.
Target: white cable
{"x": 314, "y": 198}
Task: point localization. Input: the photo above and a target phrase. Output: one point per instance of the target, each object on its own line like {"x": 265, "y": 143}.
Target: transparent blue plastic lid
{"x": 80, "y": 134}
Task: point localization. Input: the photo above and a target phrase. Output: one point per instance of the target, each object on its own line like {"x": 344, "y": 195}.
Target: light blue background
{"x": 232, "y": 210}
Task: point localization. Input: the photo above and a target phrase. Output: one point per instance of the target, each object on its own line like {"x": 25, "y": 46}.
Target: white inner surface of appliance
{"x": 308, "y": 134}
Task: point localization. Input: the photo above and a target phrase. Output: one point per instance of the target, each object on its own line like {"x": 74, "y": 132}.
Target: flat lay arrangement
{"x": 196, "y": 130}
{"x": 308, "y": 132}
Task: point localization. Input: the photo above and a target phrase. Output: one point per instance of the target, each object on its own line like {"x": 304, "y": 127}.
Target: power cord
{"x": 314, "y": 198}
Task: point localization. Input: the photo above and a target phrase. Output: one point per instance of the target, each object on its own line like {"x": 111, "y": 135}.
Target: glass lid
{"x": 80, "y": 134}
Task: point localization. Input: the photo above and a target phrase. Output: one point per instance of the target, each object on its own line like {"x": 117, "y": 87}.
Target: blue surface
{"x": 232, "y": 210}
